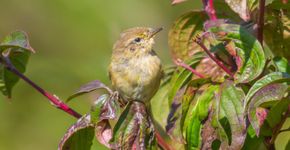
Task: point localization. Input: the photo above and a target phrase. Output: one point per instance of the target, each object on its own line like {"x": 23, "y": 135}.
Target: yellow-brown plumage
{"x": 135, "y": 69}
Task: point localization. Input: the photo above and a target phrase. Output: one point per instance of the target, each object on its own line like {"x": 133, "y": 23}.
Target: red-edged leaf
{"x": 16, "y": 40}
{"x": 270, "y": 93}
{"x": 105, "y": 107}
{"x": 134, "y": 129}
{"x": 89, "y": 87}
{"x": 79, "y": 136}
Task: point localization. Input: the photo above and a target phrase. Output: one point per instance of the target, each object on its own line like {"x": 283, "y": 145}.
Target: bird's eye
{"x": 137, "y": 40}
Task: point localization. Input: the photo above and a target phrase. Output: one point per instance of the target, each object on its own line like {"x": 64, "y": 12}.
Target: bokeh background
{"x": 73, "y": 40}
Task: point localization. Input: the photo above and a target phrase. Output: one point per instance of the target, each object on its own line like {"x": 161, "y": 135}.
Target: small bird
{"x": 135, "y": 70}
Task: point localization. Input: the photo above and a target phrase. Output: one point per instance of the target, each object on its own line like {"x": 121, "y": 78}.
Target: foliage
{"x": 242, "y": 97}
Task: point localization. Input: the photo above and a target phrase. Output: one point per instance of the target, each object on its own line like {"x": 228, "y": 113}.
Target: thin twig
{"x": 53, "y": 99}
{"x": 220, "y": 64}
{"x": 180, "y": 63}
{"x": 260, "y": 26}
{"x": 209, "y": 9}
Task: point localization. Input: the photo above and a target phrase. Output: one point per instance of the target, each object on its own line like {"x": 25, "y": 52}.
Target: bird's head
{"x": 136, "y": 41}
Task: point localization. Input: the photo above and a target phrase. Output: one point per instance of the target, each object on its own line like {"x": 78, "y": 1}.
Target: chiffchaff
{"x": 135, "y": 69}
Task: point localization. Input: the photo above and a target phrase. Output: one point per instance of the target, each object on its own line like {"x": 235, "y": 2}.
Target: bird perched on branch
{"x": 135, "y": 69}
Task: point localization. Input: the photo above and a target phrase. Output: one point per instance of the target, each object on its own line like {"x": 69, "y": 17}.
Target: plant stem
{"x": 260, "y": 26}
{"x": 161, "y": 141}
{"x": 57, "y": 102}
{"x": 53, "y": 99}
{"x": 221, "y": 65}
{"x": 179, "y": 62}
{"x": 209, "y": 8}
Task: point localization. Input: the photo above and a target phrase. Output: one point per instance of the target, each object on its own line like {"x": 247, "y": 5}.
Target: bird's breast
{"x": 137, "y": 78}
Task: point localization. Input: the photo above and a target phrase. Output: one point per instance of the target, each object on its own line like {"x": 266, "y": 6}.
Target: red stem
{"x": 221, "y": 65}
{"x": 260, "y": 26}
{"x": 53, "y": 99}
{"x": 182, "y": 64}
{"x": 161, "y": 141}
{"x": 209, "y": 8}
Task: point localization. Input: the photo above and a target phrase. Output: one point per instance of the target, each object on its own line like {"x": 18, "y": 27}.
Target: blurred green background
{"x": 73, "y": 40}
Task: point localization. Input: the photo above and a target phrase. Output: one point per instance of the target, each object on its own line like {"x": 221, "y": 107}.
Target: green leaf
{"x": 160, "y": 101}
{"x": 254, "y": 143}
{"x": 230, "y": 108}
{"x": 17, "y": 40}
{"x": 180, "y": 77}
{"x": 275, "y": 114}
{"x": 193, "y": 132}
{"x": 282, "y": 64}
{"x": 17, "y": 50}
{"x": 250, "y": 58}
{"x": 197, "y": 112}
{"x": 182, "y": 32}
{"x": 275, "y": 77}
{"x": 79, "y": 136}
{"x": 8, "y": 79}
{"x": 269, "y": 93}
{"x": 134, "y": 128}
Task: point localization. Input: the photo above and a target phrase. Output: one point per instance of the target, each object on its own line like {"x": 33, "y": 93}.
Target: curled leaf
{"x": 104, "y": 108}
{"x": 78, "y": 136}
{"x": 104, "y": 133}
{"x": 269, "y": 93}
{"x": 274, "y": 77}
{"x": 89, "y": 87}
{"x": 16, "y": 40}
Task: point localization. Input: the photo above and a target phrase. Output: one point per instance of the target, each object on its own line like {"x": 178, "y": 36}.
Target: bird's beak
{"x": 154, "y": 31}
